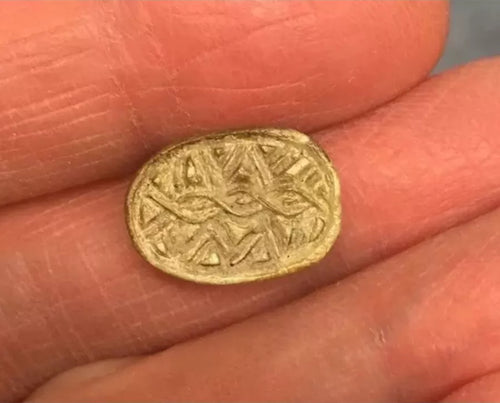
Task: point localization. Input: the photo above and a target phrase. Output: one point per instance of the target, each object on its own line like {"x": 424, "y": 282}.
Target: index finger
{"x": 90, "y": 89}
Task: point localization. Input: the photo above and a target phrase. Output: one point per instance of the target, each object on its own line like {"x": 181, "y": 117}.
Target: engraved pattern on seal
{"x": 235, "y": 206}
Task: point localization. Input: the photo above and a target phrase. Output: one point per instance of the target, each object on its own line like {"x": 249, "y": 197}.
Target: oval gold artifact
{"x": 235, "y": 206}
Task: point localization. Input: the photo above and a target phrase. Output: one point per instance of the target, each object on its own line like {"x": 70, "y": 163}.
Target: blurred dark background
{"x": 474, "y": 32}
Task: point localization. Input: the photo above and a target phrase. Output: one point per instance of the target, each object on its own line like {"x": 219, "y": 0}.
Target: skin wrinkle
{"x": 178, "y": 71}
{"x": 231, "y": 42}
{"x": 121, "y": 326}
{"x": 443, "y": 284}
{"x": 201, "y": 326}
{"x": 56, "y": 163}
{"x": 41, "y": 117}
{"x": 107, "y": 146}
{"x": 76, "y": 185}
{"x": 44, "y": 66}
{"x": 53, "y": 97}
{"x": 19, "y": 59}
{"x": 56, "y": 147}
{"x": 12, "y": 367}
{"x": 142, "y": 299}
{"x": 40, "y": 66}
{"x": 105, "y": 191}
{"x": 34, "y": 103}
{"x": 48, "y": 33}
{"x": 149, "y": 311}
{"x": 69, "y": 227}
{"x": 286, "y": 103}
{"x": 286, "y": 85}
{"x": 28, "y": 290}
{"x": 67, "y": 125}
{"x": 448, "y": 89}
{"x": 37, "y": 133}
{"x": 476, "y": 389}
{"x": 84, "y": 352}
{"x": 23, "y": 356}
{"x": 87, "y": 30}
{"x": 59, "y": 310}
{"x": 135, "y": 124}
{"x": 21, "y": 63}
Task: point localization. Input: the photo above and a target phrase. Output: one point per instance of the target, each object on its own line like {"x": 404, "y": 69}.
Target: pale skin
{"x": 404, "y": 308}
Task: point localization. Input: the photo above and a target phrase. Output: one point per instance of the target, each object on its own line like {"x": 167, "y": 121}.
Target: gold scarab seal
{"x": 235, "y": 206}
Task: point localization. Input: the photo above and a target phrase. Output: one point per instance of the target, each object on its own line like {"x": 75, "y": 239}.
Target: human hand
{"x": 91, "y": 89}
